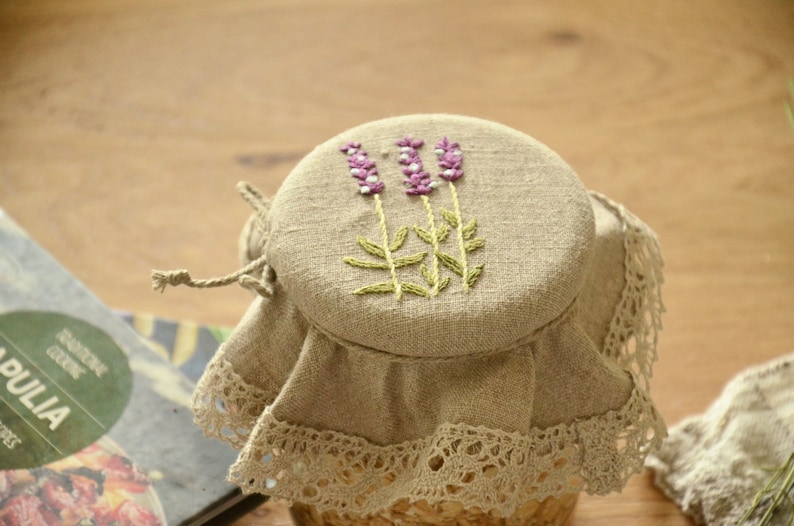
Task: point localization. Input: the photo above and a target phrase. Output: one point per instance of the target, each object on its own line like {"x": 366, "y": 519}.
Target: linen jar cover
{"x": 444, "y": 313}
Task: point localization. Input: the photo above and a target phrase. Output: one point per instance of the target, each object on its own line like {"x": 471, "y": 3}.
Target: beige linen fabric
{"x": 525, "y": 376}
{"x": 713, "y": 464}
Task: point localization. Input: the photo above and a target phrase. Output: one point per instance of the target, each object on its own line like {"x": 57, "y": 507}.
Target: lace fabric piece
{"x": 477, "y": 466}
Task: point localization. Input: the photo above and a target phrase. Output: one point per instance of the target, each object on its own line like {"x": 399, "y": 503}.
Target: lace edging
{"x": 634, "y": 330}
{"x": 224, "y": 406}
{"x": 476, "y": 466}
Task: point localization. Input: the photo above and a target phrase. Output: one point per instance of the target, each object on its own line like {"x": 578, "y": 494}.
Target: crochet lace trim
{"x": 225, "y": 406}
{"x": 476, "y": 466}
{"x": 634, "y": 330}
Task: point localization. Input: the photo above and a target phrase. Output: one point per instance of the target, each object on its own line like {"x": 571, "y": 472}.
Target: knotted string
{"x": 254, "y": 197}
{"x": 263, "y": 286}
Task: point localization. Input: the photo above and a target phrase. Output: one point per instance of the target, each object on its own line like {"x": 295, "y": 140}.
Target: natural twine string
{"x": 263, "y": 286}
{"x": 253, "y": 197}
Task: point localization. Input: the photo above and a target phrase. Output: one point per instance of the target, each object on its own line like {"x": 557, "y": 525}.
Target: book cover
{"x": 95, "y": 428}
{"x": 186, "y": 344}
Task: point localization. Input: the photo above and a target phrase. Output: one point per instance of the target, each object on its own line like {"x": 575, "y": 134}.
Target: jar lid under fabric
{"x": 507, "y": 236}
{"x": 448, "y": 315}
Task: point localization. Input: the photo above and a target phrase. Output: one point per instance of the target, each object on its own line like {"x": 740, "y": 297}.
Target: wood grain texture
{"x": 124, "y": 126}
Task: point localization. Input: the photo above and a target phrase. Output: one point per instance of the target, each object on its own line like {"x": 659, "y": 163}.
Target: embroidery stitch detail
{"x": 450, "y": 160}
{"x": 362, "y": 168}
{"x": 419, "y": 183}
{"x": 365, "y": 171}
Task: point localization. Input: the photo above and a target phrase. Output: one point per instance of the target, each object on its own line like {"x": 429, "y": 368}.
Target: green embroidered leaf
{"x": 470, "y": 229}
{"x": 442, "y": 232}
{"x": 385, "y": 286}
{"x": 371, "y": 247}
{"x": 443, "y": 284}
{"x": 365, "y": 264}
{"x": 474, "y": 244}
{"x": 423, "y": 234}
{"x": 426, "y": 274}
{"x": 399, "y": 238}
{"x": 412, "y": 288}
{"x": 413, "y": 259}
{"x": 473, "y": 274}
{"x": 450, "y": 262}
{"x": 450, "y": 217}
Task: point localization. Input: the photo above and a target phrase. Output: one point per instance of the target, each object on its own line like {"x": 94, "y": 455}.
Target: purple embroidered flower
{"x": 362, "y": 168}
{"x": 417, "y": 180}
{"x": 450, "y": 159}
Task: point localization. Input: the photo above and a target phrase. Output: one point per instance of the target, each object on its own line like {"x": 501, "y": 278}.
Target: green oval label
{"x": 63, "y": 384}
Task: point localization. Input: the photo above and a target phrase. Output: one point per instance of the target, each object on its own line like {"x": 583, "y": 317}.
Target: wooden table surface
{"x": 125, "y": 124}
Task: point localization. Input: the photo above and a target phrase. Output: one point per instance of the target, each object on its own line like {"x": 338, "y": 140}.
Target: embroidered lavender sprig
{"x": 420, "y": 183}
{"x": 450, "y": 160}
{"x": 364, "y": 170}
{"x": 450, "y": 163}
{"x": 417, "y": 179}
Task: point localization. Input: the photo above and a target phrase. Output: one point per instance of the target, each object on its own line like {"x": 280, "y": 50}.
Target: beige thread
{"x": 261, "y": 206}
{"x": 162, "y": 278}
{"x": 254, "y": 197}
{"x": 262, "y": 286}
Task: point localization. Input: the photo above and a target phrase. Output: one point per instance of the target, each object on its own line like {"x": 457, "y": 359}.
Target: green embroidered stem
{"x": 398, "y": 291}
{"x": 385, "y": 252}
{"x": 432, "y": 278}
{"x": 464, "y": 262}
{"x": 466, "y": 241}
{"x": 450, "y": 160}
